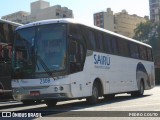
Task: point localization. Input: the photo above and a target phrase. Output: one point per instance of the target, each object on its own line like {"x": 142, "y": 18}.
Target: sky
{"x": 83, "y": 10}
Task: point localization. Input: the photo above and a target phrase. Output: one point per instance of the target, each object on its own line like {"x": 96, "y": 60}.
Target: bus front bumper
{"x": 51, "y": 92}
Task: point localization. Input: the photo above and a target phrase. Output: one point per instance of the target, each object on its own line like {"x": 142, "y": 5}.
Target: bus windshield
{"x": 41, "y": 48}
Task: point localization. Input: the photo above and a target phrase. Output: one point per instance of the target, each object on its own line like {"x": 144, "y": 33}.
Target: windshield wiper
{"x": 45, "y": 66}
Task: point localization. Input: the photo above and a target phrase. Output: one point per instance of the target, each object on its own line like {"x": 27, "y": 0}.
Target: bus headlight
{"x": 55, "y": 89}
{"x": 61, "y": 88}
{"x": 58, "y": 88}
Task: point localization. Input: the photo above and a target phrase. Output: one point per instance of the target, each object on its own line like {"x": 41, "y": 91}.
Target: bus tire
{"x": 140, "y": 91}
{"x": 51, "y": 102}
{"x": 95, "y": 94}
{"x": 1, "y": 89}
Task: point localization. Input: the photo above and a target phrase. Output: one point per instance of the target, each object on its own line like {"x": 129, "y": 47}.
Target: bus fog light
{"x": 56, "y": 89}
{"x": 61, "y": 88}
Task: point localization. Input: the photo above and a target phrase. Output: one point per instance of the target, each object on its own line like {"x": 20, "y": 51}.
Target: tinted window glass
{"x": 114, "y": 46}
{"x": 149, "y": 54}
{"x": 133, "y": 50}
{"x": 107, "y": 43}
{"x": 99, "y": 41}
{"x": 5, "y": 53}
{"x": 143, "y": 54}
{"x": 123, "y": 48}
{"x": 7, "y": 32}
{"x": 91, "y": 37}
{"x": 75, "y": 31}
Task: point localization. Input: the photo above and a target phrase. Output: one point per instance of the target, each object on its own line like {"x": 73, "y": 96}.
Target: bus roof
{"x": 10, "y": 22}
{"x": 70, "y": 20}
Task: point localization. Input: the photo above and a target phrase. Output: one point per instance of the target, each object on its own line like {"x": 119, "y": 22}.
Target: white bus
{"x": 6, "y": 41}
{"x": 62, "y": 59}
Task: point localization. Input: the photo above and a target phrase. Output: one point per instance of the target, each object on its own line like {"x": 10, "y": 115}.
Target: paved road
{"x": 123, "y": 102}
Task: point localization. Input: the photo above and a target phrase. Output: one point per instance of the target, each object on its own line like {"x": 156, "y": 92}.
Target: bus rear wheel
{"x": 51, "y": 102}
{"x": 1, "y": 89}
{"x": 95, "y": 94}
{"x": 140, "y": 91}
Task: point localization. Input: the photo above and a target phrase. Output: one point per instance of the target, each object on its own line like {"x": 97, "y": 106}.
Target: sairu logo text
{"x": 102, "y": 61}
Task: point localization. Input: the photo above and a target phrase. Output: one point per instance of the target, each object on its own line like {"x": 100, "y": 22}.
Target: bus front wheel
{"x": 95, "y": 94}
{"x": 1, "y": 89}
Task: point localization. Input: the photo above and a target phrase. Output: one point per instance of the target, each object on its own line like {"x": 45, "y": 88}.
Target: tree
{"x": 142, "y": 31}
{"x": 150, "y": 33}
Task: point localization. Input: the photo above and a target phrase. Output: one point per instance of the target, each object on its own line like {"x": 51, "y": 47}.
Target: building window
{"x": 57, "y": 14}
{"x": 64, "y": 15}
{"x": 153, "y": 1}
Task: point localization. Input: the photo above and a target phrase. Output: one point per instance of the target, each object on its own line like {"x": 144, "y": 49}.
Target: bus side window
{"x": 123, "y": 48}
{"x": 78, "y": 34}
{"x": 107, "y": 43}
{"x": 76, "y": 56}
{"x": 149, "y": 54}
{"x": 143, "y": 54}
{"x": 133, "y": 50}
{"x": 6, "y": 54}
{"x": 1, "y": 52}
{"x": 92, "y": 39}
{"x": 99, "y": 41}
{"x": 114, "y": 45}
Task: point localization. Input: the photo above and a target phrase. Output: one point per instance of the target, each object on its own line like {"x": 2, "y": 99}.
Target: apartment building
{"x": 17, "y": 16}
{"x": 154, "y": 6}
{"x": 121, "y": 23}
{"x": 40, "y": 10}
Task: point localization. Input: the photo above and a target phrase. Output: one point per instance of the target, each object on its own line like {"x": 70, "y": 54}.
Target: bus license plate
{"x": 34, "y": 93}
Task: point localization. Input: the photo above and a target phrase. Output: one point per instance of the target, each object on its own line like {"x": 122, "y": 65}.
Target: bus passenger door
{"x": 76, "y": 85}
{"x": 76, "y": 62}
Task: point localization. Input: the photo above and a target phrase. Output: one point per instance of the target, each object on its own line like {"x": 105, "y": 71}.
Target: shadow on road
{"x": 68, "y": 107}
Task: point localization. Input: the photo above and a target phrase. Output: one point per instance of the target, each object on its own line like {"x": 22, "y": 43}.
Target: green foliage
{"x": 142, "y": 31}
{"x": 150, "y": 33}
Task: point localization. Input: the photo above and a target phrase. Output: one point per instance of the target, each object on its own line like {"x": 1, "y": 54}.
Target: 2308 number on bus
{"x": 45, "y": 81}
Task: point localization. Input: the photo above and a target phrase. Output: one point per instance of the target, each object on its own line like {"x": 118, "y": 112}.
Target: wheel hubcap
{"x": 95, "y": 92}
